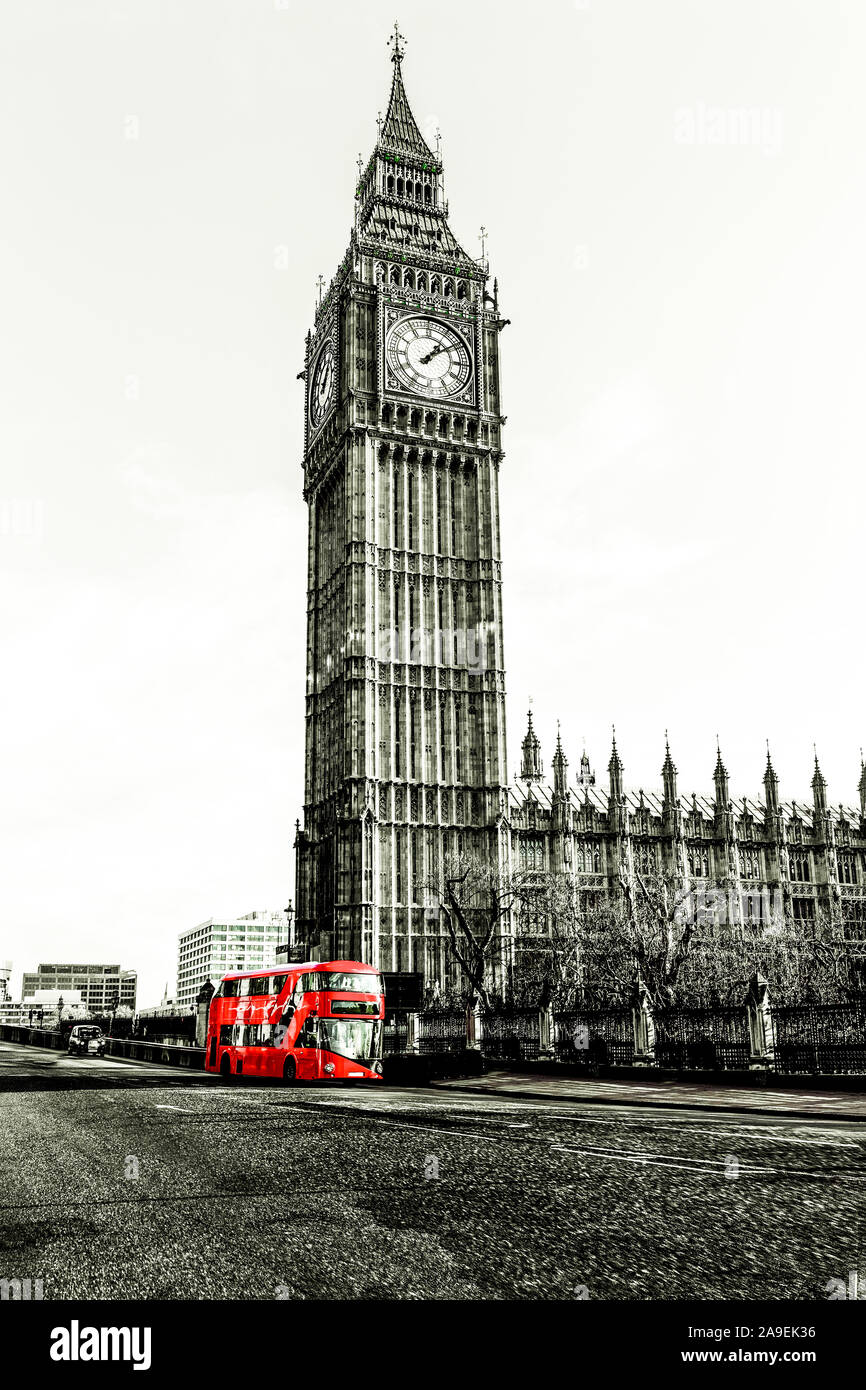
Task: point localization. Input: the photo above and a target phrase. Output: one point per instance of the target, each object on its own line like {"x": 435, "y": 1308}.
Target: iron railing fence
{"x": 703, "y": 1039}
{"x": 820, "y": 1037}
{"x": 441, "y": 1030}
{"x": 602, "y": 1036}
{"x": 809, "y": 1038}
{"x": 511, "y": 1035}
{"x": 395, "y": 1035}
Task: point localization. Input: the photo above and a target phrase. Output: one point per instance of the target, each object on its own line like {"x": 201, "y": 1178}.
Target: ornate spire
{"x": 669, "y": 775}
{"x": 861, "y": 786}
{"x": 399, "y": 132}
{"x": 771, "y": 785}
{"x": 720, "y": 778}
{"x": 531, "y": 767}
{"x": 560, "y": 767}
{"x": 400, "y": 195}
{"x": 615, "y": 769}
{"x": 819, "y": 786}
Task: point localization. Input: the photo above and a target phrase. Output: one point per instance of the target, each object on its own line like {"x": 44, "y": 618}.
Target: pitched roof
{"x": 598, "y": 797}
{"x": 417, "y": 228}
{"x": 400, "y": 129}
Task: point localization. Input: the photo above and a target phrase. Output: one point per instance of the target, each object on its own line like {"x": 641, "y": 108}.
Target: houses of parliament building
{"x": 405, "y": 703}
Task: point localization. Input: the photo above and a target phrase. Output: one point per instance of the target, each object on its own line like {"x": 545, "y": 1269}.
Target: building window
{"x": 645, "y": 857}
{"x": 699, "y": 862}
{"x": 532, "y": 853}
{"x": 443, "y": 748}
{"x": 413, "y": 770}
{"x": 847, "y": 865}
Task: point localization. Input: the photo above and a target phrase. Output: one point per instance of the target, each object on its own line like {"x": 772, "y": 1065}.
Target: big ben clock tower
{"x": 405, "y": 705}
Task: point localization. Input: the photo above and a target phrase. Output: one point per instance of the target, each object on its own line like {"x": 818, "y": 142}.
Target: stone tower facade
{"x": 405, "y": 701}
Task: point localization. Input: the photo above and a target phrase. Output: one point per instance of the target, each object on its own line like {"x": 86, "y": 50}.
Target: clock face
{"x": 427, "y": 356}
{"x": 322, "y": 389}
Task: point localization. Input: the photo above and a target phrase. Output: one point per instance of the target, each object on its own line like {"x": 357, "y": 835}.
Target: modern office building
{"x": 207, "y": 951}
{"x": 100, "y": 986}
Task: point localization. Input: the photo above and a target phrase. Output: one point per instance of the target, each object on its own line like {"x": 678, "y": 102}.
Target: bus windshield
{"x": 347, "y": 981}
{"x": 351, "y": 1037}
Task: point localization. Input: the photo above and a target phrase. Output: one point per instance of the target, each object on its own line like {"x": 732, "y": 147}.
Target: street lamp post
{"x": 285, "y": 948}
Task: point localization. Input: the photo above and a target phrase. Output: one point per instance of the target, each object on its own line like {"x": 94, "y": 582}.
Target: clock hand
{"x": 435, "y": 353}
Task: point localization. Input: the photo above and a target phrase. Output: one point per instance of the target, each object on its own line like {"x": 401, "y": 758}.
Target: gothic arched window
{"x": 449, "y": 289}
{"x": 395, "y": 275}
{"x": 422, "y": 281}
{"x": 409, "y": 280}
{"x": 390, "y": 183}
{"x": 461, "y": 290}
{"x": 399, "y": 188}
{"x": 427, "y": 193}
{"x": 435, "y": 285}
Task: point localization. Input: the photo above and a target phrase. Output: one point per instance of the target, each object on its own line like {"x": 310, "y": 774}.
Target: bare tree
{"x": 684, "y": 947}
{"x": 476, "y": 902}
{"x": 549, "y": 939}
{"x": 598, "y": 954}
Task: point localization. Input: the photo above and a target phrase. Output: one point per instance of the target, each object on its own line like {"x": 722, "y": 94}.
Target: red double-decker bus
{"x": 320, "y": 1021}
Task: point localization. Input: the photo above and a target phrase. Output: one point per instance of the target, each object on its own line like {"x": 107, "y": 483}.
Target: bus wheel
{"x": 226, "y": 1067}
{"x": 290, "y": 1071}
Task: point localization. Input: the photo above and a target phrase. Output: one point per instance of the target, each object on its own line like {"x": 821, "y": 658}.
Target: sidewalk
{"x": 824, "y": 1105}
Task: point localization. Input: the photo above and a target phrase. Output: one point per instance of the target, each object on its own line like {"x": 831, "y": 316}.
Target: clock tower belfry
{"x": 405, "y": 703}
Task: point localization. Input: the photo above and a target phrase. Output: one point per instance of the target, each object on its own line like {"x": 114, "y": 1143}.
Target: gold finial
{"x": 320, "y": 283}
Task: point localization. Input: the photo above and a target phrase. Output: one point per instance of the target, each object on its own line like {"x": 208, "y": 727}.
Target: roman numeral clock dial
{"x": 428, "y": 357}
{"x": 322, "y": 388}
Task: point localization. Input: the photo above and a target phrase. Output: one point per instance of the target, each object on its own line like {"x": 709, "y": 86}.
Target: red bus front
{"x": 311, "y": 1022}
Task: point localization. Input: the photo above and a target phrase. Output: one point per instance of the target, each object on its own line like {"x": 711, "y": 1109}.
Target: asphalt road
{"x": 135, "y": 1182}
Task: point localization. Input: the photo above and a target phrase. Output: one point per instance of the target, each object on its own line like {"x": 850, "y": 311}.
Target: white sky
{"x": 682, "y": 494}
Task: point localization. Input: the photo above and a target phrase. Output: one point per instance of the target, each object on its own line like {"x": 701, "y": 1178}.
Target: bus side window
{"x": 279, "y": 984}
{"x": 244, "y": 988}
{"x": 225, "y": 1035}
{"x": 230, "y": 989}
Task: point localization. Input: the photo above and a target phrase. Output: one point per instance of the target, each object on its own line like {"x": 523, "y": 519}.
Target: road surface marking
{"x": 701, "y": 1165}
{"x": 450, "y": 1133}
